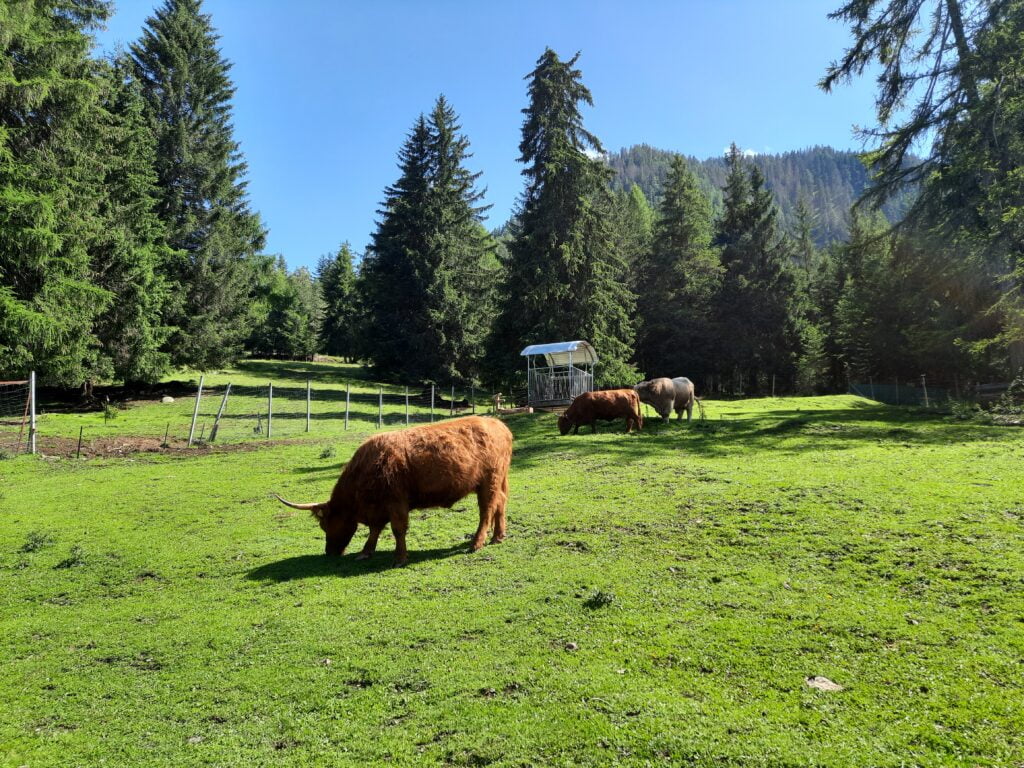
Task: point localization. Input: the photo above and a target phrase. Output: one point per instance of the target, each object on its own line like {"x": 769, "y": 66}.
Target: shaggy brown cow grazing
{"x": 429, "y": 466}
{"x": 609, "y": 405}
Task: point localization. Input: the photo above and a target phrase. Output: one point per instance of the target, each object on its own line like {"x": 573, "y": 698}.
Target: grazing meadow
{"x": 672, "y": 597}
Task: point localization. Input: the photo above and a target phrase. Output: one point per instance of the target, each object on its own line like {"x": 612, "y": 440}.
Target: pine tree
{"x": 677, "y": 280}
{"x": 393, "y": 280}
{"x": 337, "y": 280}
{"x": 130, "y": 248}
{"x": 426, "y": 279}
{"x": 48, "y": 214}
{"x": 757, "y": 319}
{"x": 200, "y": 172}
{"x": 564, "y": 278}
{"x": 459, "y": 252}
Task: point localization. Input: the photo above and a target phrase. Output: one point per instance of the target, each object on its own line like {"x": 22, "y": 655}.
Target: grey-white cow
{"x": 666, "y": 395}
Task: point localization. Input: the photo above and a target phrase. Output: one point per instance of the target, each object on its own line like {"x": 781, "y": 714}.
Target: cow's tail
{"x": 700, "y": 406}
{"x": 637, "y": 408}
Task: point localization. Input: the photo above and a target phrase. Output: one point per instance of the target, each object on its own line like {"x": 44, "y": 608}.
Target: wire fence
{"x": 14, "y": 417}
{"x": 927, "y": 393}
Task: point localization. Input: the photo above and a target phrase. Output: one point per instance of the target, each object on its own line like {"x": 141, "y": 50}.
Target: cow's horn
{"x": 313, "y": 506}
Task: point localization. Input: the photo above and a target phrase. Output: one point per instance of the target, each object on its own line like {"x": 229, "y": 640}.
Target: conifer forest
{"x": 129, "y": 246}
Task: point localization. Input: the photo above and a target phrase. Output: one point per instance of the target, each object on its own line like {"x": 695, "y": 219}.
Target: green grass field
{"x": 661, "y": 600}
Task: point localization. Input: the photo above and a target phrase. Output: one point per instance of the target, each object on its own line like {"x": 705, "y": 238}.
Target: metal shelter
{"x": 557, "y": 373}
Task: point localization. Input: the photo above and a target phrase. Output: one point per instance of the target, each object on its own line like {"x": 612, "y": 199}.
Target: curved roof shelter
{"x": 566, "y": 373}
{"x": 561, "y": 352}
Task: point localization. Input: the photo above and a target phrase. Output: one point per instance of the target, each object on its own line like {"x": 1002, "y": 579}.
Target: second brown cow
{"x": 609, "y": 405}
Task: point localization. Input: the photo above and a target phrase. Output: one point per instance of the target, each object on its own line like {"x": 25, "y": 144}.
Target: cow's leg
{"x": 689, "y": 410}
{"x": 371, "y": 544}
{"x": 499, "y": 513}
{"x": 399, "y": 525}
{"x": 488, "y": 498}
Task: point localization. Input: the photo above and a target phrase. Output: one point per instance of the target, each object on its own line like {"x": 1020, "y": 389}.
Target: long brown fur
{"x": 609, "y": 405}
{"x": 429, "y": 466}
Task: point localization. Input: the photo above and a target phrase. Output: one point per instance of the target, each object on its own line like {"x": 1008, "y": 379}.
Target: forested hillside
{"x": 829, "y": 180}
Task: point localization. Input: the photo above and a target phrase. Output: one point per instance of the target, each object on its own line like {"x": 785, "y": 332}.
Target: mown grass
{"x": 661, "y": 599}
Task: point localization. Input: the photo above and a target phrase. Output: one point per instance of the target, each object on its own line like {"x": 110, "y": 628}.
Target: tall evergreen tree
{"x": 337, "y": 280}
{"x": 392, "y": 280}
{"x": 200, "y": 172}
{"x": 756, "y": 314}
{"x": 564, "y": 278}
{"x": 48, "y": 111}
{"x": 676, "y": 282}
{"x": 460, "y": 250}
{"x": 424, "y": 282}
{"x": 130, "y": 249}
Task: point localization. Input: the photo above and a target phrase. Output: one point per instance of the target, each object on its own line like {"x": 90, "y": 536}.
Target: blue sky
{"x": 327, "y": 90}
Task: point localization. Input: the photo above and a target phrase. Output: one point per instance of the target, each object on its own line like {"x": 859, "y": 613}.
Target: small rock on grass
{"x": 822, "y": 683}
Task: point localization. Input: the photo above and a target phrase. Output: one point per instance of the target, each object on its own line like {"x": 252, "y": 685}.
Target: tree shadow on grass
{"x": 788, "y": 431}
{"x": 310, "y": 566}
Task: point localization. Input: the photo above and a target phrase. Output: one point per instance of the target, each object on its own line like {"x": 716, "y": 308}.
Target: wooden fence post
{"x": 472, "y": 398}
{"x": 431, "y": 403}
{"x": 270, "y": 407}
{"x": 78, "y": 453}
{"x": 309, "y": 396}
{"x": 195, "y": 412}
{"x": 32, "y": 412}
{"x": 220, "y": 412}
{"x": 380, "y": 407}
{"x": 407, "y": 406}
{"x": 924, "y": 388}
{"x": 348, "y": 388}
{"x": 451, "y": 403}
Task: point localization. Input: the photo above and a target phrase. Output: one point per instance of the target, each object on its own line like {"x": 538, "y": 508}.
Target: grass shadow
{"x": 311, "y": 566}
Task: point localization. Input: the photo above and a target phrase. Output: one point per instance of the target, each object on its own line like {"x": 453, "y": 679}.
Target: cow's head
{"x": 331, "y": 523}
{"x": 564, "y": 425}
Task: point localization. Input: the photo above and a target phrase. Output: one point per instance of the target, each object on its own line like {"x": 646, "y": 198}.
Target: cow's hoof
{"x": 475, "y": 547}
{"x": 400, "y": 563}
{"x": 364, "y": 556}
{"x": 497, "y": 539}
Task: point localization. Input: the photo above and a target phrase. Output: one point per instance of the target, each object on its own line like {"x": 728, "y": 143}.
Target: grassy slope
{"x": 249, "y": 396}
{"x": 820, "y": 536}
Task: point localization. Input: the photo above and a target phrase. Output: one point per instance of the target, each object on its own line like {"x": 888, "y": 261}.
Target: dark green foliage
{"x": 960, "y": 65}
{"x": 756, "y": 313}
{"x": 200, "y": 172}
{"x": 339, "y": 331}
{"x": 130, "y": 249}
{"x": 48, "y": 111}
{"x": 426, "y": 278}
{"x": 285, "y": 312}
{"x": 564, "y": 277}
{"x": 676, "y": 282}
{"x": 828, "y": 180}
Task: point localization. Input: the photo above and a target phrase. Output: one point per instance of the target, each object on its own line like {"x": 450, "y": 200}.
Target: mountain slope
{"x": 830, "y": 180}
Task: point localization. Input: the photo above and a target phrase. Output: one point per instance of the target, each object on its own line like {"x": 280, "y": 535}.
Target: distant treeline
{"x": 828, "y": 181}
{"x": 128, "y": 246}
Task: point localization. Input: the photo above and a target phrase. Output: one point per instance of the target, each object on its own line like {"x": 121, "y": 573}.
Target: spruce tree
{"x": 425, "y": 281}
{"x": 564, "y": 278}
{"x": 130, "y": 248}
{"x": 677, "y": 280}
{"x": 459, "y": 252}
{"x": 757, "y": 319}
{"x": 48, "y": 179}
{"x": 200, "y": 172}
{"x": 337, "y": 280}
{"x": 394, "y": 279}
